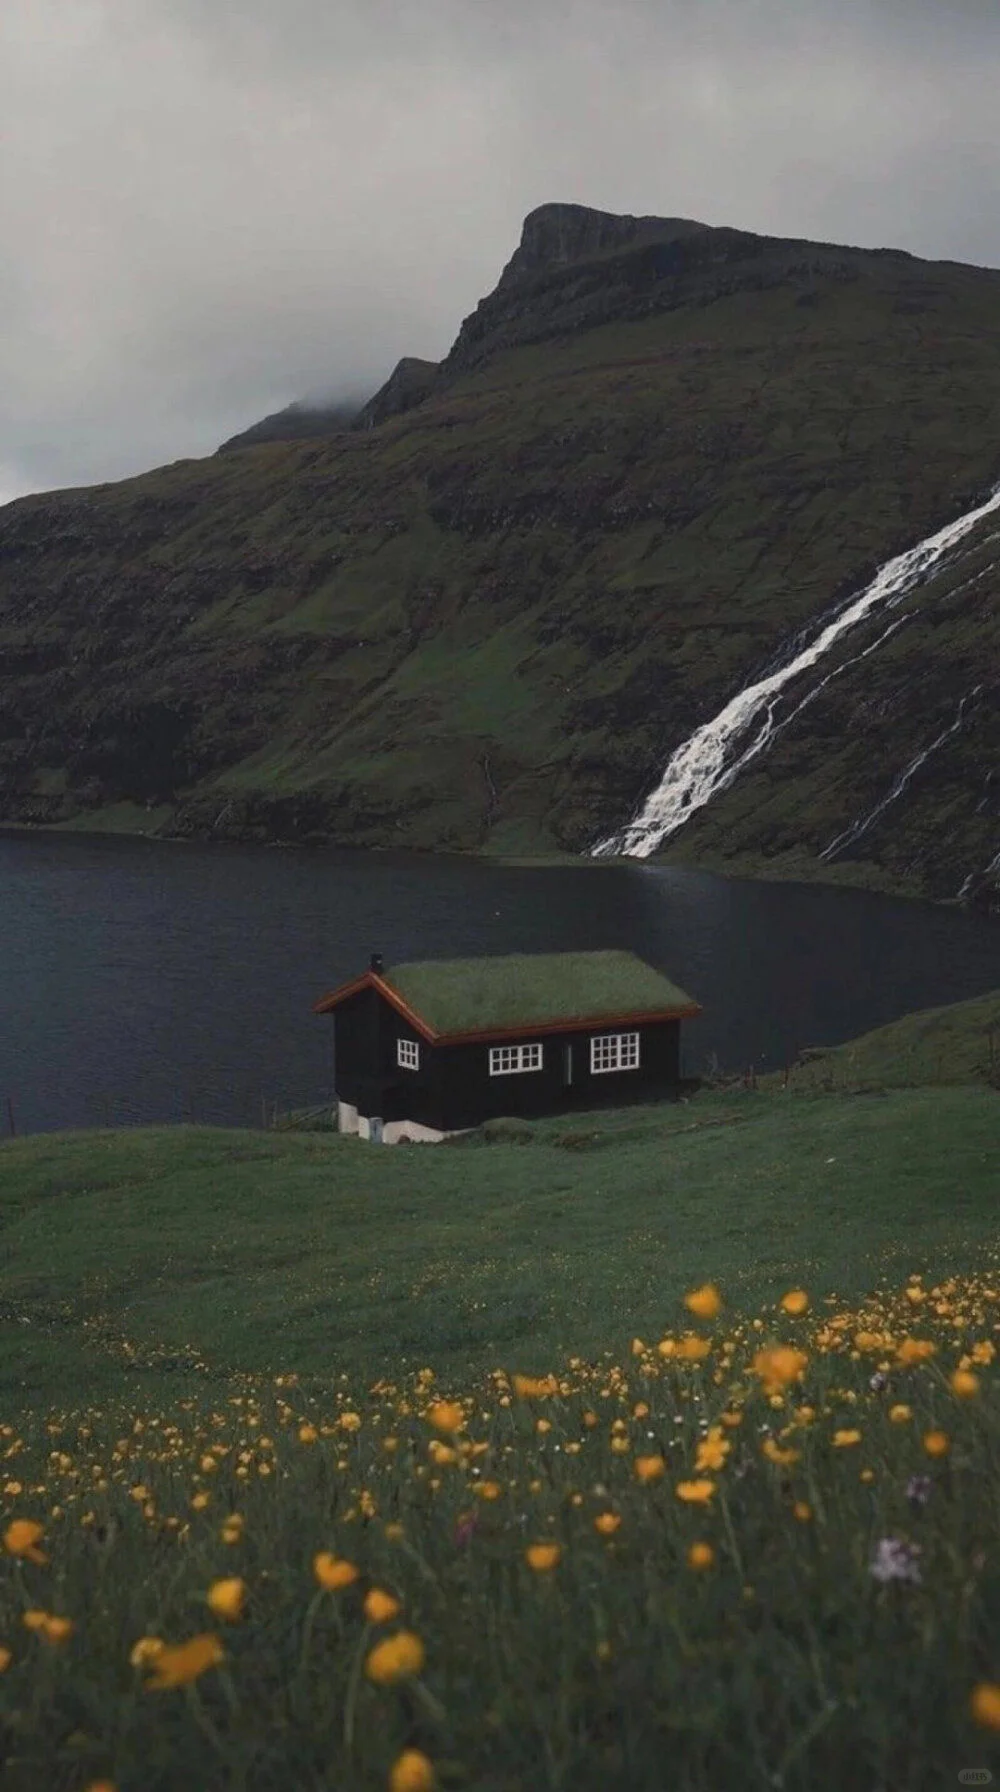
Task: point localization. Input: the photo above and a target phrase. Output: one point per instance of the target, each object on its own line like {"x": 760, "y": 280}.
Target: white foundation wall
{"x": 393, "y": 1131}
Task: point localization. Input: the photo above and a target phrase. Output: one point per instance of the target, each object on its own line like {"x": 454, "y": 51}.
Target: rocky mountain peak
{"x": 555, "y": 235}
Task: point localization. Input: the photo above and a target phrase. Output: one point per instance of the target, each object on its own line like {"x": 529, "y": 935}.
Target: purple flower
{"x": 918, "y": 1489}
{"x": 895, "y": 1559}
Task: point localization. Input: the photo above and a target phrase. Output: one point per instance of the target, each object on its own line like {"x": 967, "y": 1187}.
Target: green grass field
{"x": 412, "y": 1470}
{"x": 273, "y": 1252}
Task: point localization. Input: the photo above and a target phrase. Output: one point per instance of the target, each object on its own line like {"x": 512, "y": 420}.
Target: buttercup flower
{"x": 704, "y": 1302}
{"x": 412, "y": 1772}
{"x": 226, "y": 1598}
{"x": 379, "y": 1607}
{"x": 178, "y": 1665}
{"x": 21, "y": 1538}
{"x": 397, "y": 1658}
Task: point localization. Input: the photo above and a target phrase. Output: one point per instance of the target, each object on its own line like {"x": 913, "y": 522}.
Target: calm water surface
{"x": 145, "y": 981}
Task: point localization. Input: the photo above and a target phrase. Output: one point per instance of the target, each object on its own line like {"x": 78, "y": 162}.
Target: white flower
{"x": 895, "y": 1559}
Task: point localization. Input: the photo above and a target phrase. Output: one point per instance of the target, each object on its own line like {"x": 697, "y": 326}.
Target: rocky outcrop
{"x": 408, "y": 384}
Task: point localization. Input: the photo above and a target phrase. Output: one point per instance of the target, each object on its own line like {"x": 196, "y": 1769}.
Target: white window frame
{"x": 613, "y": 1051}
{"x": 408, "y": 1054}
{"x": 509, "y": 1060}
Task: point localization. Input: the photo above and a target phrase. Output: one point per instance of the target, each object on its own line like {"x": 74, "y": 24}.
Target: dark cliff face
{"x": 409, "y": 384}
{"x": 578, "y": 270}
{"x": 554, "y": 235}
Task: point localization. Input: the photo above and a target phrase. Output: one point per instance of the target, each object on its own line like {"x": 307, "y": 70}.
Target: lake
{"x": 146, "y": 981}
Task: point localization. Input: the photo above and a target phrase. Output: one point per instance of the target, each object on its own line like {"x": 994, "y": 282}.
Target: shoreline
{"x": 865, "y": 877}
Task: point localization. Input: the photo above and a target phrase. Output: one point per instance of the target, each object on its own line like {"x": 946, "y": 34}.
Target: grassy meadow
{"x": 656, "y": 1447}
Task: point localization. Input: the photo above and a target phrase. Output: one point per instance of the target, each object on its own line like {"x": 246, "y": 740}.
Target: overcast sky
{"x": 209, "y": 208}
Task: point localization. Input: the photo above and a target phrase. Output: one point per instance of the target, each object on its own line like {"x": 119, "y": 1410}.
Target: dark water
{"x": 144, "y": 981}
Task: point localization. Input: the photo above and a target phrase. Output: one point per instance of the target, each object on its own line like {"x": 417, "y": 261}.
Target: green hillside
{"x": 485, "y": 622}
{"x": 956, "y": 1044}
{"x": 148, "y": 1252}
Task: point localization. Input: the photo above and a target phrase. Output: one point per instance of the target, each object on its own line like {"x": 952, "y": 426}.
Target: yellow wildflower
{"x": 915, "y": 1350}
{"x": 704, "y": 1302}
{"x": 446, "y": 1415}
{"x": 985, "y": 1705}
{"x": 795, "y": 1301}
{"x": 350, "y": 1421}
{"x": 712, "y": 1450}
{"x": 983, "y": 1352}
{"x": 779, "y": 1367}
{"x": 145, "y": 1650}
{"x": 649, "y": 1468}
{"x": 333, "y": 1573}
{"x": 802, "y": 1511}
{"x": 936, "y": 1443}
{"x": 397, "y": 1658}
{"x": 308, "y": 1434}
{"x": 700, "y": 1555}
{"x": 226, "y": 1598}
{"x": 379, "y": 1607}
{"x": 691, "y": 1348}
{"x": 542, "y": 1556}
{"x": 697, "y": 1492}
{"x": 607, "y": 1523}
{"x": 179, "y": 1665}
{"x": 776, "y": 1454}
{"x": 21, "y": 1538}
{"x": 900, "y": 1413}
{"x": 532, "y": 1387}
{"x": 411, "y": 1772}
{"x": 844, "y": 1439}
{"x": 487, "y": 1490}
{"x": 964, "y": 1384}
{"x": 6, "y": 1657}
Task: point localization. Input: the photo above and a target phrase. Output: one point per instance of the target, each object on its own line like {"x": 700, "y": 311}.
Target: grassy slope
{"x": 937, "y": 1046}
{"x": 268, "y": 1252}
{"x": 562, "y": 564}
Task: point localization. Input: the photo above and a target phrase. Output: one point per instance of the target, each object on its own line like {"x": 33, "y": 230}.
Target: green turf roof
{"x": 469, "y": 995}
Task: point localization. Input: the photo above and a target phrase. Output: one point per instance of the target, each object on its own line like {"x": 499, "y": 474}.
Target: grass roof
{"x": 471, "y": 995}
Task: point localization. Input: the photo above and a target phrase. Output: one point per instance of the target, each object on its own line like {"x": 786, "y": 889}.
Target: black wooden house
{"x": 427, "y": 1049}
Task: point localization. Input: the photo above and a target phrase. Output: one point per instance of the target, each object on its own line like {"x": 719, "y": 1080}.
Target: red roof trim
{"x": 369, "y": 980}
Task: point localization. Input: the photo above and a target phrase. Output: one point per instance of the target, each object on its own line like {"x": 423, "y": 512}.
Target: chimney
{"x": 376, "y": 963}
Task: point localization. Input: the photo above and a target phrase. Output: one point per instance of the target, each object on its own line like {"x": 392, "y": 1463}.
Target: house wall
{"x": 452, "y": 1089}
{"x": 457, "y": 1090}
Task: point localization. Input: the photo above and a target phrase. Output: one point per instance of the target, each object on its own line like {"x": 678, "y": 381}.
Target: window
{"x": 614, "y": 1051}
{"x": 505, "y": 1059}
{"x": 408, "y": 1054}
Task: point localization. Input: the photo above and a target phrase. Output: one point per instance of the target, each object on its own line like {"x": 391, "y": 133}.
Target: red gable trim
{"x": 369, "y": 980}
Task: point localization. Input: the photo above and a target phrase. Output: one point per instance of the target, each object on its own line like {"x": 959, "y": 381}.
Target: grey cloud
{"x": 209, "y": 210}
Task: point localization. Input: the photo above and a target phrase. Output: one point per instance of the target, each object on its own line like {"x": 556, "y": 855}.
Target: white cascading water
{"x": 716, "y": 753}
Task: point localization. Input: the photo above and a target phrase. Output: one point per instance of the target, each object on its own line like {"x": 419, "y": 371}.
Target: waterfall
{"x": 714, "y": 755}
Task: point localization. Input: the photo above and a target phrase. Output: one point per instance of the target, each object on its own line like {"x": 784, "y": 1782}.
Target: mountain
{"x": 660, "y": 462}
{"x": 298, "y": 422}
